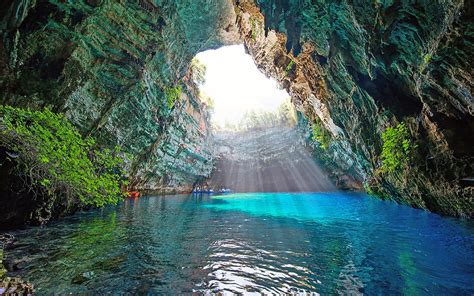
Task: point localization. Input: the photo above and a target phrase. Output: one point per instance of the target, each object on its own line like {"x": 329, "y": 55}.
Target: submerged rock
{"x": 11, "y": 285}
{"x": 15, "y": 286}
{"x": 82, "y": 277}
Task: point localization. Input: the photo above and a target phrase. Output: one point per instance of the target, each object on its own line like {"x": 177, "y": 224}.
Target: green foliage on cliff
{"x": 172, "y": 95}
{"x": 198, "y": 71}
{"x": 55, "y": 158}
{"x": 426, "y": 60}
{"x": 3, "y": 271}
{"x": 397, "y": 148}
{"x": 207, "y": 100}
{"x": 289, "y": 67}
{"x": 255, "y": 27}
{"x": 368, "y": 189}
{"x": 285, "y": 115}
{"x": 321, "y": 135}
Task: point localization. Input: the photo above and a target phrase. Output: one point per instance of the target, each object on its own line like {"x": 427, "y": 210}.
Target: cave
{"x": 256, "y": 136}
{"x": 108, "y": 144}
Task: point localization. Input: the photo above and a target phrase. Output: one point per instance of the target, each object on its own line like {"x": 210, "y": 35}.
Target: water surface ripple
{"x": 328, "y": 243}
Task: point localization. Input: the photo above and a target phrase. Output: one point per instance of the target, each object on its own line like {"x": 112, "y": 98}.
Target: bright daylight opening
{"x": 240, "y": 93}
{"x": 257, "y": 145}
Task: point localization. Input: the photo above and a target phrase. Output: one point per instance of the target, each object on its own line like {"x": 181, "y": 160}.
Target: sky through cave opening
{"x": 254, "y": 122}
{"x": 237, "y": 88}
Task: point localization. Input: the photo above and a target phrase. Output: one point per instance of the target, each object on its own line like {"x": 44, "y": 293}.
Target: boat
{"x": 207, "y": 191}
{"x": 133, "y": 194}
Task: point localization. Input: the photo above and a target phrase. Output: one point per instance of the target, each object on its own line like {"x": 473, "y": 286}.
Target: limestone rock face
{"x": 270, "y": 160}
{"x": 357, "y": 67}
{"x": 107, "y": 66}
{"x": 353, "y": 68}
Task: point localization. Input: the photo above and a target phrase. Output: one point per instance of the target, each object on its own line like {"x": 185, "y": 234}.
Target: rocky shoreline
{"x": 11, "y": 285}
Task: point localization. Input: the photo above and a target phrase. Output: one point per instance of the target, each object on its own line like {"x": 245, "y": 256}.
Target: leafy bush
{"x": 172, "y": 94}
{"x": 287, "y": 113}
{"x": 198, "y": 71}
{"x": 321, "y": 135}
{"x": 397, "y": 147}
{"x": 284, "y": 116}
{"x": 368, "y": 189}
{"x": 426, "y": 60}
{"x": 255, "y": 28}
{"x": 207, "y": 100}
{"x": 289, "y": 67}
{"x": 55, "y": 158}
{"x": 3, "y": 271}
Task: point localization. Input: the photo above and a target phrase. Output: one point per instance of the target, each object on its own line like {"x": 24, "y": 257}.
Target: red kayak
{"x": 133, "y": 194}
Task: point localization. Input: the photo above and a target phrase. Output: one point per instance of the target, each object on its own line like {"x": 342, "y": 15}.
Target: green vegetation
{"x": 56, "y": 160}
{"x": 172, "y": 94}
{"x": 285, "y": 115}
{"x": 198, "y": 71}
{"x": 255, "y": 28}
{"x": 426, "y": 60}
{"x": 321, "y": 135}
{"x": 3, "y": 270}
{"x": 204, "y": 98}
{"x": 368, "y": 189}
{"x": 397, "y": 148}
{"x": 289, "y": 67}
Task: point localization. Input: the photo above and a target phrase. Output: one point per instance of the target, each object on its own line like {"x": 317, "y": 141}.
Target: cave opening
{"x": 240, "y": 95}
{"x": 106, "y": 116}
{"x": 254, "y": 125}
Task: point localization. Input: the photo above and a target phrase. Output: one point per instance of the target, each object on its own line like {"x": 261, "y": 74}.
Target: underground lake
{"x": 271, "y": 243}
{"x": 236, "y": 147}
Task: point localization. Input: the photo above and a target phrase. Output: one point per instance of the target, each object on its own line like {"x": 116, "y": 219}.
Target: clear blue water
{"x": 330, "y": 243}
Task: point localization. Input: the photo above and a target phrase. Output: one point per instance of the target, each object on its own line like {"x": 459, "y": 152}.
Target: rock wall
{"x": 108, "y": 66}
{"x": 270, "y": 160}
{"x": 354, "y": 67}
{"x": 358, "y": 67}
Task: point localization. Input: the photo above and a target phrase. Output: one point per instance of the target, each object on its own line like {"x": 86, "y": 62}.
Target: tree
{"x": 54, "y": 159}
{"x": 198, "y": 71}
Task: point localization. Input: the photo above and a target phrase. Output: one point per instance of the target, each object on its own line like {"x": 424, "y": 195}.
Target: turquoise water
{"x": 329, "y": 243}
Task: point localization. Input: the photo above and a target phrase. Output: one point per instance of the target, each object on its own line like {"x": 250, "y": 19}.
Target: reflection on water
{"x": 273, "y": 243}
